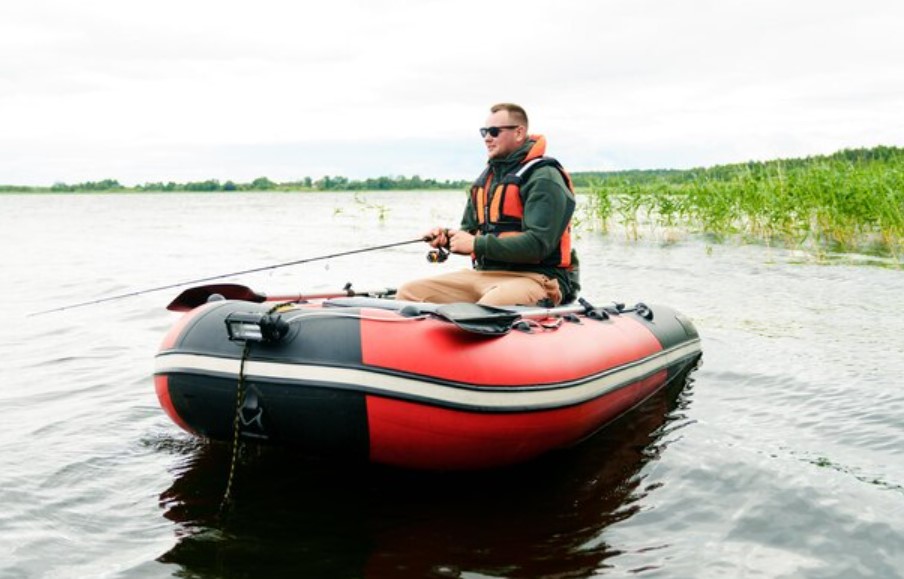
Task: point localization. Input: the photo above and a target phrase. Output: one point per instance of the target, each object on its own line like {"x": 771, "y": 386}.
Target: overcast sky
{"x": 218, "y": 89}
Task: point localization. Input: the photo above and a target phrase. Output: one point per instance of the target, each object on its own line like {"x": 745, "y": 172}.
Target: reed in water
{"x": 852, "y": 200}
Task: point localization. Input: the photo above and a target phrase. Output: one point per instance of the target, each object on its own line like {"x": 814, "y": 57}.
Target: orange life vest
{"x": 500, "y": 211}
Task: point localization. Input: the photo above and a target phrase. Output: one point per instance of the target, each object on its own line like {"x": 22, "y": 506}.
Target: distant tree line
{"x": 326, "y": 183}
{"x": 105, "y": 185}
{"x": 383, "y": 184}
{"x": 259, "y": 184}
{"x": 583, "y": 179}
{"x": 879, "y": 154}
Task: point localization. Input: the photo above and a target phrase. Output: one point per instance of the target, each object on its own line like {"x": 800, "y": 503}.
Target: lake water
{"x": 783, "y": 458}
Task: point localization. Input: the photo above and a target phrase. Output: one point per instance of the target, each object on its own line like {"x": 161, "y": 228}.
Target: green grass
{"x": 850, "y": 201}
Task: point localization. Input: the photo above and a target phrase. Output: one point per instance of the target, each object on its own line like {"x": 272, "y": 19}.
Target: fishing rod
{"x": 235, "y": 273}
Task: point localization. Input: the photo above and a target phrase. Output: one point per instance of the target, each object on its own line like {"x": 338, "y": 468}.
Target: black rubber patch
{"x": 319, "y": 419}
{"x": 670, "y": 327}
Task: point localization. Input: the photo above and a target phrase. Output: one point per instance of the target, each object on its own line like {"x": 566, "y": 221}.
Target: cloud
{"x": 135, "y": 89}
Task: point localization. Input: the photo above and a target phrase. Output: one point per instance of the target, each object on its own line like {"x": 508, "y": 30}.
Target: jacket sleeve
{"x": 546, "y": 201}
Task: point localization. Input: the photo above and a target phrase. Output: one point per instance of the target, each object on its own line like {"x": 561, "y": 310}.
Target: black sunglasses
{"x": 494, "y": 131}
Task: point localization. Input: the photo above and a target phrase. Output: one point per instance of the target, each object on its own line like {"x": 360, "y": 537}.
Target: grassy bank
{"x": 851, "y": 200}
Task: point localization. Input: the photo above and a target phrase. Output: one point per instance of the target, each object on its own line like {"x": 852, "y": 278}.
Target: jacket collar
{"x": 534, "y": 147}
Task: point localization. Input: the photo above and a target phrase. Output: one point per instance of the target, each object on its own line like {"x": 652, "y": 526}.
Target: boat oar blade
{"x": 477, "y": 319}
{"x": 198, "y": 296}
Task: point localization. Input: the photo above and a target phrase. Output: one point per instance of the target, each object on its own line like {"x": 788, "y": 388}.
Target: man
{"x": 516, "y": 226}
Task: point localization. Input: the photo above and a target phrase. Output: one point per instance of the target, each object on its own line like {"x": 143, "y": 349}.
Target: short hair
{"x": 517, "y": 113}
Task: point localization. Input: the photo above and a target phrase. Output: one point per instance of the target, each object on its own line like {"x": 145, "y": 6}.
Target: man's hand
{"x": 461, "y": 242}
{"x": 437, "y": 237}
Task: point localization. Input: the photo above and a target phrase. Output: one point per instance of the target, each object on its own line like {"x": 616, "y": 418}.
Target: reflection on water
{"x": 311, "y": 519}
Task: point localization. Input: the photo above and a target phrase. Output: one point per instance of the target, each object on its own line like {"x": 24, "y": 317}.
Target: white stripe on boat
{"x": 429, "y": 389}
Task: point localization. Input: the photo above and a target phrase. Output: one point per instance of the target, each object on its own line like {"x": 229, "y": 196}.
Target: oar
{"x": 494, "y": 321}
{"x": 200, "y": 295}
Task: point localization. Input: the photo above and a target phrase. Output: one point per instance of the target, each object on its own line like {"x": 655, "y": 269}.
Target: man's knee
{"x": 524, "y": 291}
{"x": 409, "y": 291}
{"x": 441, "y": 290}
{"x": 512, "y": 295}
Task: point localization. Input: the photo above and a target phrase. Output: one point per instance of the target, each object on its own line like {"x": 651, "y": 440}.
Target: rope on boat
{"x": 236, "y": 441}
{"x": 236, "y": 421}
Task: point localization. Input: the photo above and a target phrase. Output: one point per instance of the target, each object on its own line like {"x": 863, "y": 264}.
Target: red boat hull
{"x": 363, "y": 383}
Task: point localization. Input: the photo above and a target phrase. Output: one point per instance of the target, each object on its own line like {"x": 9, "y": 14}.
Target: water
{"x": 783, "y": 458}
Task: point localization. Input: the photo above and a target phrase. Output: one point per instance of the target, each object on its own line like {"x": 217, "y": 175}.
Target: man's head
{"x": 509, "y": 123}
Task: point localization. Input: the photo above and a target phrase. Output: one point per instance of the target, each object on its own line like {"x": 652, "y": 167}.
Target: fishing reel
{"x": 437, "y": 255}
{"x": 440, "y": 254}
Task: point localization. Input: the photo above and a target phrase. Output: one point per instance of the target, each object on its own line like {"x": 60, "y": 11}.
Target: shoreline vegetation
{"x": 852, "y": 200}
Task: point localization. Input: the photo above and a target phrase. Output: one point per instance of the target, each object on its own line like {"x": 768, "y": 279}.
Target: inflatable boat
{"x": 422, "y": 386}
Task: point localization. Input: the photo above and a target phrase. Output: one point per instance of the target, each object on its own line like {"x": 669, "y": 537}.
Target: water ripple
{"x": 781, "y": 459}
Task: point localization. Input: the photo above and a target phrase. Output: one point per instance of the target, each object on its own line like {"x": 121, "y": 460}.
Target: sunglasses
{"x": 494, "y": 131}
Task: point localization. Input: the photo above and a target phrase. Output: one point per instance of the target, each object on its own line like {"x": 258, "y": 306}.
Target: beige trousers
{"x": 491, "y": 288}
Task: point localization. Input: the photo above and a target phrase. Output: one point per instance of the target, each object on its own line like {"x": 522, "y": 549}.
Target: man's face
{"x": 508, "y": 140}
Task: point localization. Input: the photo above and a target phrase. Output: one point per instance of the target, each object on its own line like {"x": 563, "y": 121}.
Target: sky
{"x": 188, "y": 90}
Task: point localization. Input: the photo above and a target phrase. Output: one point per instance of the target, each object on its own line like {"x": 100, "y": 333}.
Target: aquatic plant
{"x": 852, "y": 200}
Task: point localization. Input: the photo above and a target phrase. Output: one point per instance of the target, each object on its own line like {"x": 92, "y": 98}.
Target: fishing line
{"x": 234, "y": 273}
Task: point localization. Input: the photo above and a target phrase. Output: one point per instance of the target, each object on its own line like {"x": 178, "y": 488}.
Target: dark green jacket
{"x": 548, "y": 207}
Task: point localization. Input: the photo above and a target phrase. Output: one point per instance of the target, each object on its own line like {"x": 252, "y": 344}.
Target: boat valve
{"x": 644, "y": 311}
